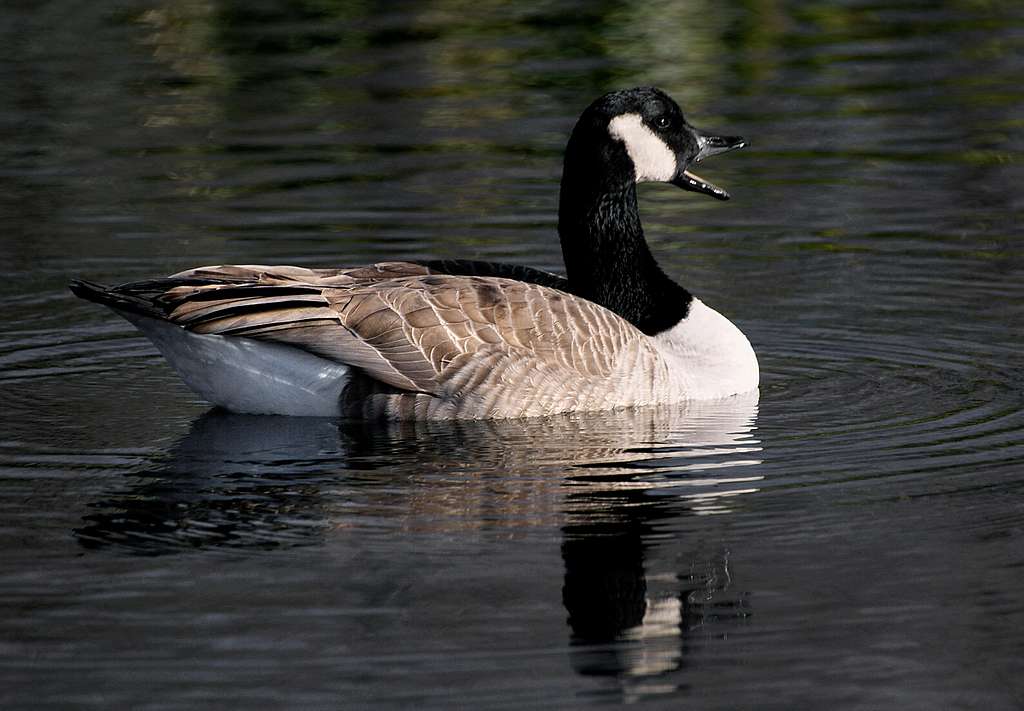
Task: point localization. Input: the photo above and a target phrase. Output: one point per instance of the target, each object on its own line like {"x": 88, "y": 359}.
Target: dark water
{"x": 852, "y": 540}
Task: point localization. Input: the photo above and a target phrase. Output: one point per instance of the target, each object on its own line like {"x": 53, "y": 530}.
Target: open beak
{"x": 708, "y": 145}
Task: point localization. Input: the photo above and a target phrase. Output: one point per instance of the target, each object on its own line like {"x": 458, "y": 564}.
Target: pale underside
{"x": 422, "y": 345}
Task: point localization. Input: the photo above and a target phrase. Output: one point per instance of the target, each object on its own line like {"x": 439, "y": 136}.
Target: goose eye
{"x": 662, "y": 121}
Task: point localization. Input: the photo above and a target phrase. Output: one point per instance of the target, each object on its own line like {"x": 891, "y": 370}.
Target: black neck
{"x": 607, "y": 259}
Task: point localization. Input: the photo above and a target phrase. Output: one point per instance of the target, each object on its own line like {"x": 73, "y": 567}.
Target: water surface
{"x": 850, "y": 539}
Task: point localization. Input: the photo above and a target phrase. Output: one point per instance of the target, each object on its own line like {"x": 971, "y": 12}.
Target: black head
{"x": 639, "y": 135}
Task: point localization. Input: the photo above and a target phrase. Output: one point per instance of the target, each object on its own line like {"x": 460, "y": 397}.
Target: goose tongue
{"x": 709, "y": 145}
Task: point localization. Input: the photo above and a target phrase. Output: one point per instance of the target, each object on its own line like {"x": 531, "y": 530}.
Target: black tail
{"x": 116, "y": 298}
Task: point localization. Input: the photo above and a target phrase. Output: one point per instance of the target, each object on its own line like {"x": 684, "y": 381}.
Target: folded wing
{"x": 472, "y": 346}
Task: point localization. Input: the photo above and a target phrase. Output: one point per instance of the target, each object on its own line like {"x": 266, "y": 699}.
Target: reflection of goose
{"x": 630, "y": 618}
{"x": 234, "y": 481}
{"x": 231, "y": 470}
{"x": 447, "y": 340}
{"x": 611, "y": 482}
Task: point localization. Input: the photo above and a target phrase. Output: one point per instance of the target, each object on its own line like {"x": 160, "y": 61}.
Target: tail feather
{"x": 116, "y": 298}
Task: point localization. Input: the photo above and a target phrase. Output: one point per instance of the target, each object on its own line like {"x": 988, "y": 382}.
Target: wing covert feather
{"x": 500, "y": 345}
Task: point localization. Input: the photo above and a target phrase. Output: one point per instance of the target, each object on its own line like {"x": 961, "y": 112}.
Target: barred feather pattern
{"x": 430, "y": 345}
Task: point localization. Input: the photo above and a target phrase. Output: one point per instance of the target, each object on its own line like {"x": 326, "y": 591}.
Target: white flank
{"x": 246, "y": 375}
{"x": 652, "y": 159}
{"x": 708, "y": 356}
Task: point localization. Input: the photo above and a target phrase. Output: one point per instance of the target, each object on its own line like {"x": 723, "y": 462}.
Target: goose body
{"x": 460, "y": 339}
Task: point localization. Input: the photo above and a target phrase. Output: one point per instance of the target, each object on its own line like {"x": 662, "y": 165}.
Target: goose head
{"x": 622, "y": 139}
{"x": 641, "y": 135}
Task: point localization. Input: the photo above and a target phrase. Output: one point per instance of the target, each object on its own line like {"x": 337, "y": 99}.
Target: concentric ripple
{"x": 890, "y": 405}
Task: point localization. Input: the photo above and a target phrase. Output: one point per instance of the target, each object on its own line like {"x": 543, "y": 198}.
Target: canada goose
{"x": 462, "y": 339}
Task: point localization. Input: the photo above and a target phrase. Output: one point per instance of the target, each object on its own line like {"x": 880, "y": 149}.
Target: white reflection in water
{"x": 696, "y": 445}
{"x": 607, "y": 480}
{"x": 629, "y": 614}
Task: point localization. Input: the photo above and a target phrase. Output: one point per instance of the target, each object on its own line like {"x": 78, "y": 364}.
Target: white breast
{"x": 708, "y": 357}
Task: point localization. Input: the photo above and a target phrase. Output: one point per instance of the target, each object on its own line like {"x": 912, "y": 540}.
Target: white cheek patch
{"x": 651, "y": 156}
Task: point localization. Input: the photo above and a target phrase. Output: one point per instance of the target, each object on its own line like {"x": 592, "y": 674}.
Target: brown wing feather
{"x": 484, "y": 343}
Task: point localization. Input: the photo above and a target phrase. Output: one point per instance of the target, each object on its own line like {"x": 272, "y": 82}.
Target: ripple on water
{"x": 909, "y": 406}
